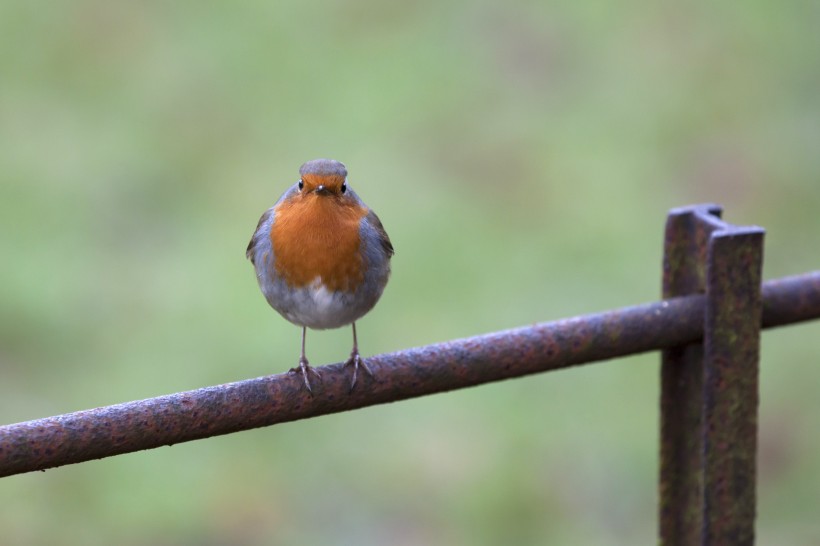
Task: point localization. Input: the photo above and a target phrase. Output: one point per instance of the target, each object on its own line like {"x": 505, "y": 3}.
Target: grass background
{"x": 522, "y": 157}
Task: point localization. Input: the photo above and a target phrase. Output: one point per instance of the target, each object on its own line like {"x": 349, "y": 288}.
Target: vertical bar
{"x": 681, "y": 484}
{"x": 709, "y": 390}
{"x": 730, "y": 385}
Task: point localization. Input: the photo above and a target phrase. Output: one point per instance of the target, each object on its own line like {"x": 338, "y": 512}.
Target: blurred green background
{"x": 522, "y": 156}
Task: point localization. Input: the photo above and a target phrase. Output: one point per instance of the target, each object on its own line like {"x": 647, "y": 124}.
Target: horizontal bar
{"x": 232, "y": 407}
{"x": 791, "y": 299}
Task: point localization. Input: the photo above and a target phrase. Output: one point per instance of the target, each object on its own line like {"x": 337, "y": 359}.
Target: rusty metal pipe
{"x": 222, "y": 409}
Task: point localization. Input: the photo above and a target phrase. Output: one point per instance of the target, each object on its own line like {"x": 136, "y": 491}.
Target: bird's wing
{"x": 384, "y": 240}
{"x": 257, "y": 236}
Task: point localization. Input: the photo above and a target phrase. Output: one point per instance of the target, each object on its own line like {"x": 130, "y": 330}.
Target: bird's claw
{"x": 356, "y": 361}
{"x": 306, "y": 369}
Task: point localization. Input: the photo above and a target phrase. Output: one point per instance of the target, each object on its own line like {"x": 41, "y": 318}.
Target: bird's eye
{"x": 301, "y": 184}
{"x": 344, "y": 187}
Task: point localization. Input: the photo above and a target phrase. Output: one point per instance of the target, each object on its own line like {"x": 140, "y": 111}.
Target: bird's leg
{"x": 304, "y": 366}
{"x": 356, "y": 360}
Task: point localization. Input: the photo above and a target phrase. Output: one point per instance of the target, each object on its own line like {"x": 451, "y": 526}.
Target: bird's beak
{"x": 321, "y": 188}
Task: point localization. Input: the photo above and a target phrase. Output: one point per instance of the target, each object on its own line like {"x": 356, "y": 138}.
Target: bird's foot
{"x": 305, "y": 369}
{"x": 357, "y": 361}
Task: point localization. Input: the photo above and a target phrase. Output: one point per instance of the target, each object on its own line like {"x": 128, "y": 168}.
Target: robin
{"x": 322, "y": 257}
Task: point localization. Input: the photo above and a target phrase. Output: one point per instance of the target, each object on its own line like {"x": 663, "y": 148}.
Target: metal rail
{"x": 232, "y": 407}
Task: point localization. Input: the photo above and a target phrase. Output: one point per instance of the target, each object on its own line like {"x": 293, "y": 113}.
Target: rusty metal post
{"x": 709, "y": 390}
{"x": 730, "y": 384}
{"x": 681, "y": 485}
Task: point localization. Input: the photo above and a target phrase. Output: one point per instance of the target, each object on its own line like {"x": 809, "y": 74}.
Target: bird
{"x": 322, "y": 257}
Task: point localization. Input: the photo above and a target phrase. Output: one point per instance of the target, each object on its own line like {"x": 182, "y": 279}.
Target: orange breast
{"x": 318, "y": 236}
